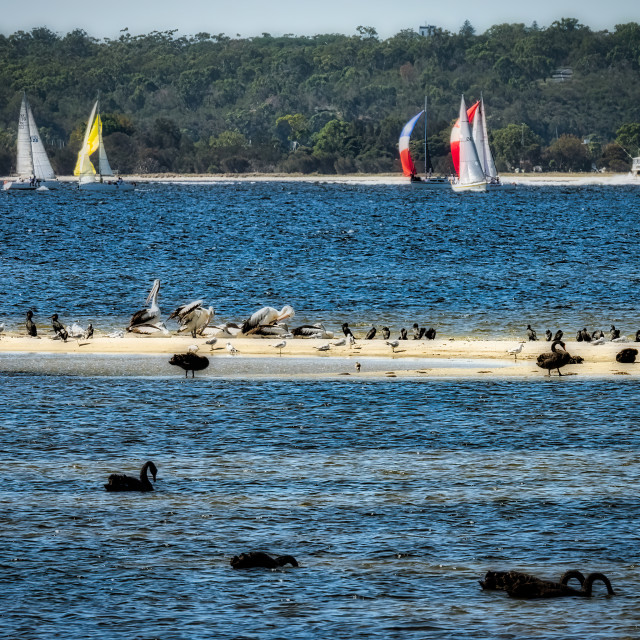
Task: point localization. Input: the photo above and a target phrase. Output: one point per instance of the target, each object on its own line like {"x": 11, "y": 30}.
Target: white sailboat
{"x": 481, "y": 140}
{"x": 33, "y": 167}
{"x": 471, "y": 176}
{"x": 88, "y": 178}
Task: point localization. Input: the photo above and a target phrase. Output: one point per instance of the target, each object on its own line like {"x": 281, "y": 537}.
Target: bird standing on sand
{"x": 340, "y": 343}
{"x": 58, "y": 327}
{"x": 403, "y": 334}
{"x": 31, "y": 325}
{"x": 152, "y": 314}
{"x": 280, "y": 346}
{"x": 386, "y": 333}
{"x": 323, "y": 347}
{"x": 89, "y": 332}
{"x": 211, "y": 343}
{"x": 548, "y": 335}
{"x": 554, "y": 359}
{"x": 516, "y": 350}
{"x": 347, "y": 332}
{"x": 358, "y": 366}
{"x": 231, "y": 349}
{"x": 371, "y": 334}
{"x": 558, "y": 335}
{"x": 430, "y": 334}
{"x": 531, "y": 334}
{"x": 415, "y": 331}
{"x": 393, "y": 344}
{"x": 615, "y": 333}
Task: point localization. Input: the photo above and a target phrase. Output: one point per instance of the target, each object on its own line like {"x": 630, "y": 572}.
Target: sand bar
{"x": 476, "y": 358}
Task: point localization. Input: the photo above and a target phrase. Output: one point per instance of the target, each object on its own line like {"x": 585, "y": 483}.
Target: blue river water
{"x": 394, "y": 495}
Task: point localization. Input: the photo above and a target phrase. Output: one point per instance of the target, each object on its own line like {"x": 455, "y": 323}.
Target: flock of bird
{"x": 516, "y": 584}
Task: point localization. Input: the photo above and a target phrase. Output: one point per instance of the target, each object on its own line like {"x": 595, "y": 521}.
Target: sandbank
{"x": 418, "y": 358}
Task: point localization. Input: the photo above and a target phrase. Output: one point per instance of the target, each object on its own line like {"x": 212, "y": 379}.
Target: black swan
{"x": 31, "y": 325}
{"x": 122, "y": 482}
{"x": 505, "y": 580}
{"x": 545, "y": 589}
{"x": 255, "y": 559}
{"x": 627, "y": 355}
{"x": 189, "y": 362}
{"x": 554, "y": 359}
{"x": 531, "y": 333}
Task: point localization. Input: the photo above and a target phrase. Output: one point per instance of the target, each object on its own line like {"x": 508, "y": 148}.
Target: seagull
{"x": 231, "y": 349}
{"x": 352, "y": 340}
{"x": 280, "y": 345}
{"x": 266, "y": 316}
{"x": 323, "y": 347}
{"x": 393, "y": 344}
{"x": 516, "y": 350}
{"x": 211, "y": 342}
{"x": 116, "y": 334}
{"x": 340, "y": 343}
{"x": 76, "y": 330}
{"x": 150, "y": 315}
{"x": 598, "y": 341}
{"x": 192, "y": 348}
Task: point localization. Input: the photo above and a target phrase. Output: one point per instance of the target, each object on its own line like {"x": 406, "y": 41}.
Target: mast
{"x": 425, "y": 137}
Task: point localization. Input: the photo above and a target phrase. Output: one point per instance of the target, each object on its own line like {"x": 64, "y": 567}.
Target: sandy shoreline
{"x": 599, "y": 361}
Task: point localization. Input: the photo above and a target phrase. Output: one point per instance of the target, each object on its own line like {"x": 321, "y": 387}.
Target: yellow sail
{"x": 91, "y": 144}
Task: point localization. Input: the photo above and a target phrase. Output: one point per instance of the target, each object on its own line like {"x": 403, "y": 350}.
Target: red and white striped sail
{"x": 455, "y": 137}
{"x": 408, "y": 168}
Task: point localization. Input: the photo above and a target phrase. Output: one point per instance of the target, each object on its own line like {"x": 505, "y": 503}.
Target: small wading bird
{"x": 257, "y": 559}
{"x": 393, "y": 344}
{"x": 58, "y": 327}
{"x": 31, "y": 325}
{"x": 516, "y": 350}
{"x": 231, "y": 349}
{"x": 211, "y": 343}
{"x": 190, "y": 361}
{"x": 323, "y": 347}
{"x": 122, "y": 482}
{"x": 152, "y": 314}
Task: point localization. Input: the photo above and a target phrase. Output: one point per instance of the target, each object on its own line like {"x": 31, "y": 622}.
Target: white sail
{"x": 471, "y": 173}
{"x": 481, "y": 140}
{"x": 42, "y": 168}
{"x": 24, "y": 166}
{"x": 104, "y": 167}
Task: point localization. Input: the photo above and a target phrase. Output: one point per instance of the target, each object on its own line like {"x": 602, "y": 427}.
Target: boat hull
{"x": 438, "y": 183}
{"x": 472, "y": 187}
{"x": 105, "y": 186}
{"x": 18, "y": 186}
{"x": 491, "y": 186}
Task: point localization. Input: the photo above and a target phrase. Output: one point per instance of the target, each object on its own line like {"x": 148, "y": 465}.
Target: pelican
{"x": 516, "y": 350}
{"x": 393, "y": 344}
{"x": 266, "y": 316}
{"x": 309, "y": 331}
{"x": 150, "y": 315}
{"x": 228, "y": 330}
{"x": 269, "y": 331}
{"x": 598, "y": 341}
{"x": 280, "y": 346}
{"x": 148, "y": 329}
{"x": 193, "y": 317}
{"x": 231, "y": 349}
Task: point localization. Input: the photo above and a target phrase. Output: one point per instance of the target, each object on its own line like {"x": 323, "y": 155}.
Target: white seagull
{"x": 150, "y": 315}
{"x": 340, "y": 343}
{"x": 231, "y": 349}
{"x": 280, "y": 345}
{"x": 211, "y": 342}
{"x": 323, "y": 347}
{"x": 76, "y": 330}
{"x": 516, "y": 350}
{"x": 393, "y": 344}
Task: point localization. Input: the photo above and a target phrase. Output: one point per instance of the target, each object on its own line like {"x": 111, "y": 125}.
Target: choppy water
{"x": 394, "y": 495}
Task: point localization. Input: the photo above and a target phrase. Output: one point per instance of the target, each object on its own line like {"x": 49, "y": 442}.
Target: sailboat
{"x": 481, "y": 140}
{"x": 33, "y": 167}
{"x": 104, "y": 179}
{"x": 470, "y": 173}
{"x": 408, "y": 166}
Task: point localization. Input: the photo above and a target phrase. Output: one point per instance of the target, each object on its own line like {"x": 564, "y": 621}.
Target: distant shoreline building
{"x": 635, "y": 167}
{"x": 427, "y": 30}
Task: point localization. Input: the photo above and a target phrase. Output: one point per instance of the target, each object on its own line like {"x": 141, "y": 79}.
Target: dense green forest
{"x": 562, "y": 97}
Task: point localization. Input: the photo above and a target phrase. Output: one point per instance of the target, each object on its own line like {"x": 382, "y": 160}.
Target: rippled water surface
{"x": 395, "y": 495}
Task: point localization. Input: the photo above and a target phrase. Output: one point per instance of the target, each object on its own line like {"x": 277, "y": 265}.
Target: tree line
{"x": 563, "y": 97}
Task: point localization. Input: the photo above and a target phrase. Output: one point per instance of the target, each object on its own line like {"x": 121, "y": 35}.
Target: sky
{"x": 300, "y": 17}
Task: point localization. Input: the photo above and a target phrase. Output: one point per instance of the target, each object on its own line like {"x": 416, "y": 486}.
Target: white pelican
{"x": 229, "y": 330}
{"x": 393, "y": 344}
{"x": 150, "y": 315}
{"x": 231, "y": 349}
{"x": 269, "y": 331}
{"x": 193, "y": 317}
{"x": 280, "y": 345}
{"x": 516, "y": 350}
{"x": 149, "y": 328}
{"x": 267, "y": 315}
